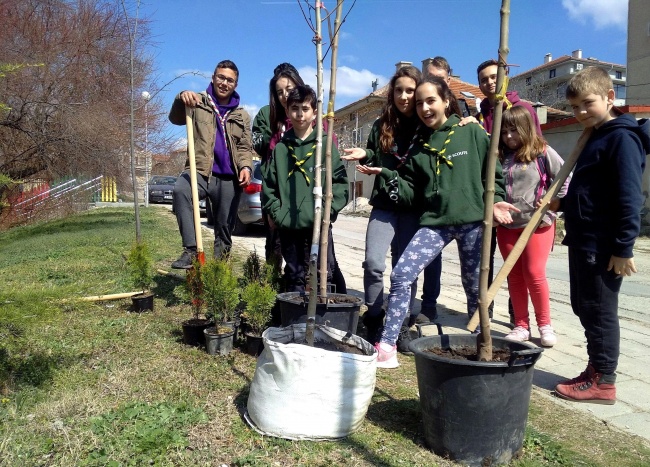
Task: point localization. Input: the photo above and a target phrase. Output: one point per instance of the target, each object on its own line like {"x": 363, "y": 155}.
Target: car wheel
{"x": 240, "y": 228}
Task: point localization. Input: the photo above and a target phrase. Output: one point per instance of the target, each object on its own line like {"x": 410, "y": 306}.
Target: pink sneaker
{"x": 518, "y": 334}
{"x": 547, "y": 336}
{"x": 386, "y": 359}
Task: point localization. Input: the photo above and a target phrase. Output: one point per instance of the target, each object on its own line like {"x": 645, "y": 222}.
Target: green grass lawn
{"x": 93, "y": 384}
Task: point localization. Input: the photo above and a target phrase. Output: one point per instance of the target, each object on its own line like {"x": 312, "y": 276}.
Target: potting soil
{"x": 468, "y": 353}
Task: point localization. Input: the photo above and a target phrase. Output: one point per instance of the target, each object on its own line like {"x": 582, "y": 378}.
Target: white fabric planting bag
{"x": 302, "y": 392}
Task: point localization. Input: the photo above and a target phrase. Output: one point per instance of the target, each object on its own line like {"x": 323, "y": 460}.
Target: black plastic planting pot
{"x": 341, "y": 313}
{"x": 474, "y": 412}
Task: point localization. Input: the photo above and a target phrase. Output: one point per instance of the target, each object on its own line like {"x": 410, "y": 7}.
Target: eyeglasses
{"x": 225, "y": 79}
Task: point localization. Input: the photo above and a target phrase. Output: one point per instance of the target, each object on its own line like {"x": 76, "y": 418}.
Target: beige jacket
{"x": 238, "y": 135}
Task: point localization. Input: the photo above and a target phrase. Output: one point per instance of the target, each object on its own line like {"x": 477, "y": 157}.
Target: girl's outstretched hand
{"x": 367, "y": 170}
{"x": 501, "y": 212}
{"x": 353, "y": 154}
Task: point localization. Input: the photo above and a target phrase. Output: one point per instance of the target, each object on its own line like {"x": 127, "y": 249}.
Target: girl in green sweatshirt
{"x": 446, "y": 179}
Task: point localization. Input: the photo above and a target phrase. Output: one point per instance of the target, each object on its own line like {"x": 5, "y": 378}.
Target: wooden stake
{"x": 484, "y": 341}
{"x": 195, "y": 193}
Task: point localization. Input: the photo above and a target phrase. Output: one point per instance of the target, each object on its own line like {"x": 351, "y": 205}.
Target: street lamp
{"x": 146, "y": 97}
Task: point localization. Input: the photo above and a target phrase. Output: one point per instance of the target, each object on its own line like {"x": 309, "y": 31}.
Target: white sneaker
{"x": 518, "y": 334}
{"x": 547, "y": 336}
{"x": 386, "y": 358}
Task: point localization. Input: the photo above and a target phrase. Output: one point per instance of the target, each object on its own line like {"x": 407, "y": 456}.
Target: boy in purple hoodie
{"x": 224, "y": 157}
{"x": 602, "y": 218}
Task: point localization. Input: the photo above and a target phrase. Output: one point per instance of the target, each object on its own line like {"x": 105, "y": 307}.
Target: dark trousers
{"x": 224, "y": 193}
{"x": 594, "y": 299}
{"x": 296, "y": 246}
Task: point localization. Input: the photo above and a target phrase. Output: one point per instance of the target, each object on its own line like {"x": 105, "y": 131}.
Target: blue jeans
{"x": 392, "y": 229}
{"x": 426, "y": 245}
{"x": 594, "y": 299}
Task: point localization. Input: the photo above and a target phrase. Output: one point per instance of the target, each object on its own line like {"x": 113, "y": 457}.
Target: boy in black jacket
{"x": 602, "y": 211}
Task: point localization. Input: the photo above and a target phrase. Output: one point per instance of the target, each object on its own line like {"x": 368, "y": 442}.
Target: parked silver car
{"x": 250, "y": 205}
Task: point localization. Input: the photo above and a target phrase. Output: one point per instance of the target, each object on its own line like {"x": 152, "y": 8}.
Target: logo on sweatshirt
{"x": 456, "y": 154}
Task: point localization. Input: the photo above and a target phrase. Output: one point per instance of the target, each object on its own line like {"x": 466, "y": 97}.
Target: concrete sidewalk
{"x": 569, "y": 357}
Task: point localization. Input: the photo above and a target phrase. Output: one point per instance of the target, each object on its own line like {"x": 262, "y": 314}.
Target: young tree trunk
{"x": 484, "y": 341}
{"x": 324, "y": 233}
{"x": 318, "y": 189}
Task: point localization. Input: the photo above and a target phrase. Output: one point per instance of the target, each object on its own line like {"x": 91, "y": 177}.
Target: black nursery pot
{"x": 254, "y": 345}
{"x": 142, "y": 302}
{"x": 193, "y": 331}
{"x": 474, "y": 412}
{"x": 343, "y": 316}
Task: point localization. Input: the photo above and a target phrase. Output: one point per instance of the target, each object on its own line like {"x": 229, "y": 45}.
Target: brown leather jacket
{"x": 238, "y": 135}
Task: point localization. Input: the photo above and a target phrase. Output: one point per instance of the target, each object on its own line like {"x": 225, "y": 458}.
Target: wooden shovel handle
{"x": 195, "y": 193}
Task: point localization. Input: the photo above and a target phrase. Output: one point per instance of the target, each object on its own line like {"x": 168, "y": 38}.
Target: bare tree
{"x": 70, "y": 114}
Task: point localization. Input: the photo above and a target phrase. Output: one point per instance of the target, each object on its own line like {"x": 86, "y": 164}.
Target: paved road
{"x": 568, "y": 357}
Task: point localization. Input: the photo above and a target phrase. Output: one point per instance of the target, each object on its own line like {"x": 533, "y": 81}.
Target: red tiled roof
{"x": 456, "y": 86}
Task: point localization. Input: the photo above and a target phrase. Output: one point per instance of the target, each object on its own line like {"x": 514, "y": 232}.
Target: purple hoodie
{"x": 487, "y": 112}
{"x": 222, "y": 164}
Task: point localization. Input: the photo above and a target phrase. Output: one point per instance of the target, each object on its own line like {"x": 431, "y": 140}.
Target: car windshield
{"x": 162, "y": 180}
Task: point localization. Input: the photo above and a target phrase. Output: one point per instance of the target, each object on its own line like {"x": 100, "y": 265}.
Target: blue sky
{"x": 259, "y": 34}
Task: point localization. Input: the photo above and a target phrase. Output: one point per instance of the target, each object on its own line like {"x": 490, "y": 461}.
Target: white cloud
{"x": 603, "y": 13}
{"x": 350, "y": 83}
{"x": 179, "y": 144}
{"x": 252, "y": 109}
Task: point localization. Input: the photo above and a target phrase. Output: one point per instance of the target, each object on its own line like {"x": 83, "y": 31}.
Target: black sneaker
{"x": 185, "y": 261}
{"x": 403, "y": 340}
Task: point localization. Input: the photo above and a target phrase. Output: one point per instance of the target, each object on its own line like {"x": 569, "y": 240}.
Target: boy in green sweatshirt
{"x": 287, "y": 193}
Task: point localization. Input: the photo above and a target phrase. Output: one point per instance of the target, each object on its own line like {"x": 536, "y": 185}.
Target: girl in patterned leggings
{"x": 446, "y": 179}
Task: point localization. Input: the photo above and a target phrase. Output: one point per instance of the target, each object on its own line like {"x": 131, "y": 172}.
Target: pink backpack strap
{"x": 543, "y": 177}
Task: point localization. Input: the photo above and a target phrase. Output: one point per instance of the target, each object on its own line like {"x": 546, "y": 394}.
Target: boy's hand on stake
{"x": 353, "y": 154}
{"x": 367, "y": 170}
{"x": 501, "y": 211}
{"x": 621, "y": 266}
{"x": 190, "y": 98}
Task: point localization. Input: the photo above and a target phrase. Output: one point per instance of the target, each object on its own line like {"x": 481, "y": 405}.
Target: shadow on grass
{"x": 164, "y": 289}
{"x": 109, "y": 220}
{"x": 35, "y": 370}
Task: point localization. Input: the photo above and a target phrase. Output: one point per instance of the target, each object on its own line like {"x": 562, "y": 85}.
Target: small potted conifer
{"x": 221, "y": 292}
{"x": 193, "y": 328}
{"x": 141, "y": 271}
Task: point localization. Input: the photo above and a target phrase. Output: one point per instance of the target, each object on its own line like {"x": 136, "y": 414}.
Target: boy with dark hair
{"x": 487, "y": 83}
{"x": 287, "y": 194}
{"x": 602, "y": 212}
{"x": 224, "y": 157}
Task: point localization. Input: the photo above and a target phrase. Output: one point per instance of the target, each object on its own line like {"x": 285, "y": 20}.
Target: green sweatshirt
{"x": 262, "y": 131}
{"x": 380, "y": 197}
{"x": 287, "y": 191}
{"x": 455, "y": 195}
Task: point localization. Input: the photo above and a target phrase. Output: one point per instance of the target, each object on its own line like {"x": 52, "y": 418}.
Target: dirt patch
{"x": 335, "y": 346}
{"x": 468, "y": 353}
{"x": 332, "y": 299}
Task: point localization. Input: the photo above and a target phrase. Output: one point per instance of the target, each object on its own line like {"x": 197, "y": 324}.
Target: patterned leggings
{"x": 426, "y": 244}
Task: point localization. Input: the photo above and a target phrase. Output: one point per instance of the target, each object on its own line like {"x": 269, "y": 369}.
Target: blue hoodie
{"x": 602, "y": 207}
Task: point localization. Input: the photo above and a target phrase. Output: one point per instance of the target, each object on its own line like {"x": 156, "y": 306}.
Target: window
{"x": 619, "y": 75}
{"x": 551, "y": 74}
{"x": 578, "y": 66}
{"x": 357, "y": 136}
{"x": 528, "y": 81}
{"x": 619, "y": 91}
